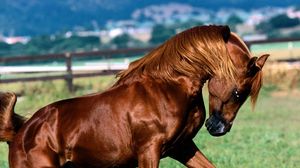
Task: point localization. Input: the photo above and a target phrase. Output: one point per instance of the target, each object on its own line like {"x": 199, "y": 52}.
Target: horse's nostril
{"x": 208, "y": 123}
{"x": 216, "y": 125}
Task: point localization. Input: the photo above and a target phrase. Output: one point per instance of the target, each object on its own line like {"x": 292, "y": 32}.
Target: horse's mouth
{"x": 217, "y": 126}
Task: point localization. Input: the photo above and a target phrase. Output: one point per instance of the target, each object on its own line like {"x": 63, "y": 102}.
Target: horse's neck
{"x": 192, "y": 86}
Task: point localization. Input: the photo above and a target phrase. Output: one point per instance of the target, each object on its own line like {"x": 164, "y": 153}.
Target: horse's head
{"x": 226, "y": 95}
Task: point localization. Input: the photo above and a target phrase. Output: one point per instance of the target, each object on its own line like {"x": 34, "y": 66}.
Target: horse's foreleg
{"x": 189, "y": 155}
{"x": 149, "y": 155}
{"x": 199, "y": 160}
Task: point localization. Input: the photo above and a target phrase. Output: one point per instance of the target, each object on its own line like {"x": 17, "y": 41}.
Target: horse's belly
{"x": 95, "y": 158}
{"x": 101, "y": 153}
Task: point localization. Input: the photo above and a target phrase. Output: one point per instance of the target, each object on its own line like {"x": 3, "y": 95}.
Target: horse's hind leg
{"x": 34, "y": 158}
{"x": 36, "y": 163}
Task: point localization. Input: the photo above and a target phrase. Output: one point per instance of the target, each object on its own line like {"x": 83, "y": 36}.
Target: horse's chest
{"x": 191, "y": 125}
{"x": 194, "y": 122}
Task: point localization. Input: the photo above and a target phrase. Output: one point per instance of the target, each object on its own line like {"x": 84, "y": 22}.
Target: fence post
{"x": 108, "y": 58}
{"x": 69, "y": 75}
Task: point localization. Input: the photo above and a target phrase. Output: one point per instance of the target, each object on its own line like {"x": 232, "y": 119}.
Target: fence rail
{"x": 249, "y": 43}
{"x": 69, "y": 74}
{"x": 68, "y": 55}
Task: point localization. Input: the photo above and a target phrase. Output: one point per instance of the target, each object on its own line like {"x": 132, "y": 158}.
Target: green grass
{"x": 268, "y": 137}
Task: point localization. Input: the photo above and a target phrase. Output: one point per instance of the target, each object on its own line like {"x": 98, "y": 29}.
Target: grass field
{"x": 278, "y": 51}
{"x": 269, "y": 137}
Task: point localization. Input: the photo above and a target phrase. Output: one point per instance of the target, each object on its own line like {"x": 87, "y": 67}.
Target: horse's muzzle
{"x": 217, "y": 126}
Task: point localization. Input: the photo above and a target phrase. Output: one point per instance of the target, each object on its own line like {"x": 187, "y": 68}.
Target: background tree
{"x": 283, "y": 21}
{"x": 126, "y": 41}
{"x": 233, "y": 21}
{"x": 272, "y": 26}
{"x": 75, "y": 43}
{"x": 4, "y": 48}
{"x": 161, "y": 33}
{"x": 121, "y": 41}
{"x": 264, "y": 27}
{"x": 187, "y": 25}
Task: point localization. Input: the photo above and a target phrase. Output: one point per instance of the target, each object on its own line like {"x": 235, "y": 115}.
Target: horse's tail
{"x": 10, "y": 122}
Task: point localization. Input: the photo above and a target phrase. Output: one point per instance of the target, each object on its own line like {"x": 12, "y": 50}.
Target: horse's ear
{"x": 255, "y": 64}
{"x": 225, "y": 30}
{"x": 260, "y": 62}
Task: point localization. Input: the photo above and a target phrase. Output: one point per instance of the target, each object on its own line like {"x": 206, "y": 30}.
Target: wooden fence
{"x": 69, "y": 74}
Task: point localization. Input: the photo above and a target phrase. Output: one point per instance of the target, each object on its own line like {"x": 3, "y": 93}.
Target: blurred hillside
{"x": 43, "y": 27}
{"x": 31, "y": 17}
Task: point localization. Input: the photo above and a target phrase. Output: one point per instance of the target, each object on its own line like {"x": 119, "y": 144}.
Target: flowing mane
{"x": 257, "y": 80}
{"x": 187, "y": 53}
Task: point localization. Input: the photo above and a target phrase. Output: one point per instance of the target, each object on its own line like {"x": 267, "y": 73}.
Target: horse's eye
{"x": 236, "y": 94}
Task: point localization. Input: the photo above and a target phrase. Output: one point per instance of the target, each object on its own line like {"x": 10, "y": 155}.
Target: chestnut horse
{"x": 153, "y": 111}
